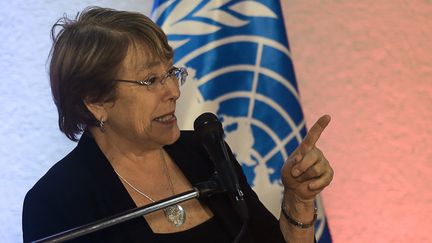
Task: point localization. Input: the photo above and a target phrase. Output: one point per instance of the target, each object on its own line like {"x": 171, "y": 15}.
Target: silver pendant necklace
{"x": 175, "y": 214}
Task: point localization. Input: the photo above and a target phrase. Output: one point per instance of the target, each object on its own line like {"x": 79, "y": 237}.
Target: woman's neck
{"x": 125, "y": 155}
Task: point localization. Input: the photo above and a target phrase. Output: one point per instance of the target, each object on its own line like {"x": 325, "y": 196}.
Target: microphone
{"x": 211, "y": 134}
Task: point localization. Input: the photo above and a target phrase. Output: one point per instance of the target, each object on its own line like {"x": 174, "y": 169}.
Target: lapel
{"x": 190, "y": 157}
{"x": 110, "y": 195}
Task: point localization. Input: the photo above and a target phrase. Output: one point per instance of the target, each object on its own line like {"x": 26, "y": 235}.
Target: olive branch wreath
{"x": 183, "y": 19}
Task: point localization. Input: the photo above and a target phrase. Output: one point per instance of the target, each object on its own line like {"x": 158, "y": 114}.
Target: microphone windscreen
{"x": 208, "y": 123}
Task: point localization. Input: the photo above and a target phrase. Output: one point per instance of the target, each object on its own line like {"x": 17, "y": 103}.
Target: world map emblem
{"x": 240, "y": 68}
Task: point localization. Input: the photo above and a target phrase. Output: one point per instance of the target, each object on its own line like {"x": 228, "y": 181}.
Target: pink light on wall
{"x": 369, "y": 65}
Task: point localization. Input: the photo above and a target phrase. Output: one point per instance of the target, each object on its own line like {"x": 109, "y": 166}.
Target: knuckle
{"x": 328, "y": 179}
{"x": 331, "y": 173}
{"x": 315, "y": 156}
{"x": 328, "y": 182}
{"x": 316, "y": 170}
{"x": 301, "y": 166}
{"x": 320, "y": 153}
{"x": 313, "y": 172}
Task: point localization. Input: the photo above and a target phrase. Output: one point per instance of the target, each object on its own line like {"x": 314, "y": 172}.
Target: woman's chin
{"x": 167, "y": 133}
{"x": 175, "y": 134}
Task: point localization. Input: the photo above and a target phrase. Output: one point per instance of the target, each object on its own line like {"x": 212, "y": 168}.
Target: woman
{"x": 112, "y": 78}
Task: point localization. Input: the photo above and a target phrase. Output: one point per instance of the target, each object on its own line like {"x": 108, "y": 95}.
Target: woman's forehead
{"x": 141, "y": 56}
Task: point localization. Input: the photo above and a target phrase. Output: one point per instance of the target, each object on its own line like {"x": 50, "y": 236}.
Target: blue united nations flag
{"x": 240, "y": 68}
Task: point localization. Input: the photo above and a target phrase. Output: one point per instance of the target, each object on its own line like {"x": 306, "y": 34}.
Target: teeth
{"x": 164, "y": 118}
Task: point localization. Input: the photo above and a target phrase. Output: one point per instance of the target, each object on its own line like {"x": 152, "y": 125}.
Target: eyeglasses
{"x": 178, "y": 74}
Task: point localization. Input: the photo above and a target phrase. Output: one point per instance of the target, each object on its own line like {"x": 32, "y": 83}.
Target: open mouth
{"x": 165, "y": 118}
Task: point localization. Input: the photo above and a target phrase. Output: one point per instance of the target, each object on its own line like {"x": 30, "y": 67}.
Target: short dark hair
{"x": 86, "y": 56}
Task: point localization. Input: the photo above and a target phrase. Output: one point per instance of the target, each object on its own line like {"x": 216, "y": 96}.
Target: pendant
{"x": 175, "y": 215}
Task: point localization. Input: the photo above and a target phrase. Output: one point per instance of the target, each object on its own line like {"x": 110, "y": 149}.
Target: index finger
{"x": 315, "y": 132}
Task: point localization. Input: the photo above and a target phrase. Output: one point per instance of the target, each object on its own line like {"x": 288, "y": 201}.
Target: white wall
{"x": 30, "y": 141}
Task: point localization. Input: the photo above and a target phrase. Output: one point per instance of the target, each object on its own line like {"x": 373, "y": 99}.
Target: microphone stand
{"x": 207, "y": 188}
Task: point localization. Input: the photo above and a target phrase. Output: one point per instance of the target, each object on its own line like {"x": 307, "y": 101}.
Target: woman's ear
{"x": 98, "y": 110}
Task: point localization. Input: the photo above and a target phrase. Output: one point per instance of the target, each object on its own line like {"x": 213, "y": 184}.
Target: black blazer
{"x": 83, "y": 187}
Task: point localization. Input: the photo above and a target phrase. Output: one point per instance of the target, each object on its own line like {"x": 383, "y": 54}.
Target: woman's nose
{"x": 171, "y": 88}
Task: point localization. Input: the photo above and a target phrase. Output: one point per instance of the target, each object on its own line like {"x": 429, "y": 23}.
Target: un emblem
{"x": 240, "y": 69}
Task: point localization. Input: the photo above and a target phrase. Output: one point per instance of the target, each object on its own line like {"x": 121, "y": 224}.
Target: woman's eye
{"x": 150, "y": 81}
